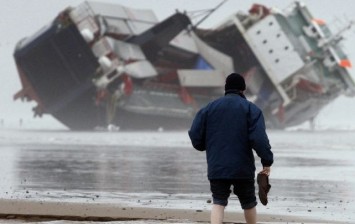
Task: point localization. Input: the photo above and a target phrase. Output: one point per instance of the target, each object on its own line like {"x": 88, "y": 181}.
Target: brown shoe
{"x": 264, "y": 187}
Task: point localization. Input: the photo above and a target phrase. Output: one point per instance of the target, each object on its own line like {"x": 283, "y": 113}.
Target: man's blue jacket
{"x": 228, "y": 129}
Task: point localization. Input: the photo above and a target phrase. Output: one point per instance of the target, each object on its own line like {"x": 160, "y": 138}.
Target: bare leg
{"x": 217, "y": 214}
{"x": 250, "y": 215}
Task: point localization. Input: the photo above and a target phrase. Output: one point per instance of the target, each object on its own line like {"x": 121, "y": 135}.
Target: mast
{"x": 208, "y": 12}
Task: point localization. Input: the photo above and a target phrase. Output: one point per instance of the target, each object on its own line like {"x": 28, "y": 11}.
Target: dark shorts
{"x": 244, "y": 189}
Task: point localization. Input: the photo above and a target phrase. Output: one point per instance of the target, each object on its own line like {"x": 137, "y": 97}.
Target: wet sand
{"x": 104, "y": 210}
{"x": 157, "y": 177}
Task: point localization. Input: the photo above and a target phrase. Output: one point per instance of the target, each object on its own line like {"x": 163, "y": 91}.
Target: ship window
{"x": 286, "y": 48}
{"x": 314, "y": 30}
{"x": 271, "y": 23}
{"x": 278, "y": 35}
{"x": 270, "y": 51}
{"x": 258, "y": 32}
{"x": 332, "y": 59}
{"x": 264, "y": 41}
{"x": 277, "y": 60}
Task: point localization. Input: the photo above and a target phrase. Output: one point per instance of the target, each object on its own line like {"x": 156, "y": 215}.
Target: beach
{"x": 58, "y": 176}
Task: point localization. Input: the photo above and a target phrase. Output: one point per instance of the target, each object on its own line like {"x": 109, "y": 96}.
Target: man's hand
{"x": 266, "y": 170}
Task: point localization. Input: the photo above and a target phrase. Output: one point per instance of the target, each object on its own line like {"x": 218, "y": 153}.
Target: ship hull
{"x": 98, "y": 66}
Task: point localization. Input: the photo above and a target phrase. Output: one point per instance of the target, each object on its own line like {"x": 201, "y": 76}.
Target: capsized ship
{"x": 102, "y": 64}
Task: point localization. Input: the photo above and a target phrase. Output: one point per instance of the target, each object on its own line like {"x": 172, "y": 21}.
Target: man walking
{"x": 228, "y": 129}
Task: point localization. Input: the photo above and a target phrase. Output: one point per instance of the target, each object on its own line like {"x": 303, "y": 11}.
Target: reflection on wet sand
{"x": 113, "y": 168}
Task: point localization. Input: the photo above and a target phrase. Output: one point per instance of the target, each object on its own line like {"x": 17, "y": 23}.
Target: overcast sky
{"x": 21, "y": 18}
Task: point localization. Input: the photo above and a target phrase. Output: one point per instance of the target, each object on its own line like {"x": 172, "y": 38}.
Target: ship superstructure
{"x": 99, "y": 64}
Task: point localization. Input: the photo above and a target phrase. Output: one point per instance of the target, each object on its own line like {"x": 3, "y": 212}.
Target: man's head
{"x": 235, "y": 81}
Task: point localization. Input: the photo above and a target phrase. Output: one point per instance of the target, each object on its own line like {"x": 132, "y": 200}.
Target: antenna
{"x": 338, "y": 36}
{"x": 345, "y": 28}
